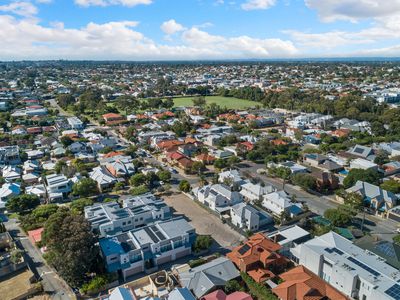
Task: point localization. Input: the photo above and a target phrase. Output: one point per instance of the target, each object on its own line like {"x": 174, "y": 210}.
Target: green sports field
{"x": 229, "y": 102}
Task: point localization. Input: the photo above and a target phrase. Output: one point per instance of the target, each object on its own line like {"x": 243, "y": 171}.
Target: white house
{"x": 58, "y": 186}
{"x": 279, "y": 202}
{"x": 103, "y": 177}
{"x": 247, "y": 217}
{"x": 254, "y": 191}
{"x": 218, "y": 197}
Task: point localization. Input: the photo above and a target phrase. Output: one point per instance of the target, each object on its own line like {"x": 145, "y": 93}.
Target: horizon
{"x": 155, "y": 30}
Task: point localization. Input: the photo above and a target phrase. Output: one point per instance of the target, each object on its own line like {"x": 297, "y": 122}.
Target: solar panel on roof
{"x": 358, "y": 150}
{"x": 244, "y": 249}
{"x": 151, "y": 234}
{"x": 386, "y": 248}
{"x": 363, "y": 266}
{"x": 394, "y": 292}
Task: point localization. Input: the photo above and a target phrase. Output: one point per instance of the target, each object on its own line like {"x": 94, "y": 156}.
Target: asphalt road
{"x": 52, "y": 283}
{"x": 384, "y": 228}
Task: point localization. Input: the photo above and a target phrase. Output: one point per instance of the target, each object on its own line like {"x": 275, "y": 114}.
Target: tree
{"x": 139, "y": 190}
{"x": 70, "y": 245}
{"x": 338, "y": 216}
{"x": 396, "y": 239}
{"x": 391, "y": 186}
{"x": 66, "y": 140}
{"x": 164, "y": 175}
{"x": 184, "y": 186}
{"x": 370, "y": 176}
{"x": 381, "y": 157}
{"x": 60, "y": 165}
{"x": 202, "y": 242}
{"x": 354, "y": 201}
{"x": 305, "y": 181}
{"x": 78, "y": 206}
{"x": 22, "y": 203}
{"x": 16, "y": 256}
{"x": 232, "y": 286}
{"x": 197, "y": 167}
{"x": 199, "y": 101}
{"x": 220, "y": 164}
{"x": 137, "y": 179}
{"x": 85, "y": 187}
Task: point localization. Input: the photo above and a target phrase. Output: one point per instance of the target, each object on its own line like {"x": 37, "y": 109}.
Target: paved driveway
{"x": 204, "y": 222}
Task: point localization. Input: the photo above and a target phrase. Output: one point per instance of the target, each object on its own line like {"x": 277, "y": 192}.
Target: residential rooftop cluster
{"x": 201, "y": 181}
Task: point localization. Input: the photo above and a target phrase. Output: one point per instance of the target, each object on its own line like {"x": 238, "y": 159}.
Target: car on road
{"x": 172, "y": 170}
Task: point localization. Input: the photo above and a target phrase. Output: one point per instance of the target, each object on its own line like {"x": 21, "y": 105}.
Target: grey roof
{"x": 361, "y": 151}
{"x": 202, "y": 279}
{"x": 181, "y": 294}
{"x": 373, "y": 192}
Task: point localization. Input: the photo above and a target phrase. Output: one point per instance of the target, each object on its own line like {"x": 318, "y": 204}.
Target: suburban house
{"x": 113, "y": 119}
{"x": 375, "y": 197}
{"x": 9, "y": 155}
{"x": 220, "y": 295}
{"x": 362, "y": 152}
{"x": 356, "y": 273}
{"x": 11, "y": 173}
{"x": 144, "y": 249}
{"x": 208, "y": 277}
{"x": 302, "y": 284}
{"x": 58, "y": 186}
{"x": 391, "y": 168}
{"x": 248, "y": 217}
{"x": 325, "y": 180}
{"x": 255, "y": 191}
{"x": 218, "y": 197}
{"x": 105, "y": 180}
{"x": 7, "y": 191}
{"x": 119, "y": 166}
{"x": 259, "y": 257}
{"x": 360, "y": 163}
{"x": 279, "y": 202}
{"x": 288, "y": 238}
{"x": 75, "y": 123}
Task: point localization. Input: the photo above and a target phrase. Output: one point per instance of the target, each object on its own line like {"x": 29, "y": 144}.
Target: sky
{"x": 138, "y": 30}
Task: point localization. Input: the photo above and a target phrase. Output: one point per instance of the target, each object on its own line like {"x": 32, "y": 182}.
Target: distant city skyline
{"x": 141, "y": 30}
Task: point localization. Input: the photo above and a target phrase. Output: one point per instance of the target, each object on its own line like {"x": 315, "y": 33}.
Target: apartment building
{"x": 108, "y": 219}
{"x": 357, "y": 273}
{"x": 144, "y": 249}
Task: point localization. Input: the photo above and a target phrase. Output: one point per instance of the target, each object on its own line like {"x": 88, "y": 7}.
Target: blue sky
{"x": 197, "y": 29}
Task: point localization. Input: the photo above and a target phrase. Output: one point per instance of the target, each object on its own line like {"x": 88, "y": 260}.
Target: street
{"x": 384, "y": 228}
{"x": 52, "y": 283}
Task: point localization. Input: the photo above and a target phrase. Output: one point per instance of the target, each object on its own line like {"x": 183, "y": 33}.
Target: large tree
{"x": 355, "y": 175}
{"x": 85, "y": 187}
{"x": 22, "y": 203}
{"x": 71, "y": 246}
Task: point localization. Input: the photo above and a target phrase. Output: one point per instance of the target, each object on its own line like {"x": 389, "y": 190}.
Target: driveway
{"x": 204, "y": 222}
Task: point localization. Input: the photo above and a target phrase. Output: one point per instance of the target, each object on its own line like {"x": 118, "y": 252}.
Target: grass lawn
{"x": 229, "y": 102}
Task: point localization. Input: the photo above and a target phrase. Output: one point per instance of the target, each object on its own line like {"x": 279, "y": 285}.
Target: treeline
{"x": 384, "y": 119}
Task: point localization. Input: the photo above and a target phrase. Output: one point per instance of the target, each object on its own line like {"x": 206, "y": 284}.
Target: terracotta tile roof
{"x": 257, "y": 251}
{"x": 301, "y": 284}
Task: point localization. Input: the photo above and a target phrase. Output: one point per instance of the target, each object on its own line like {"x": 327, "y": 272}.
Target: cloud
{"x": 327, "y": 40}
{"x": 353, "y": 10}
{"x": 129, "y": 3}
{"x": 22, "y": 8}
{"x": 27, "y": 39}
{"x": 258, "y": 4}
{"x": 171, "y": 26}
{"x": 239, "y": 47}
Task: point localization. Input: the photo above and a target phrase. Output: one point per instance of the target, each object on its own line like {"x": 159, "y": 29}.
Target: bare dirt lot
{"x": 203, "y": 221}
